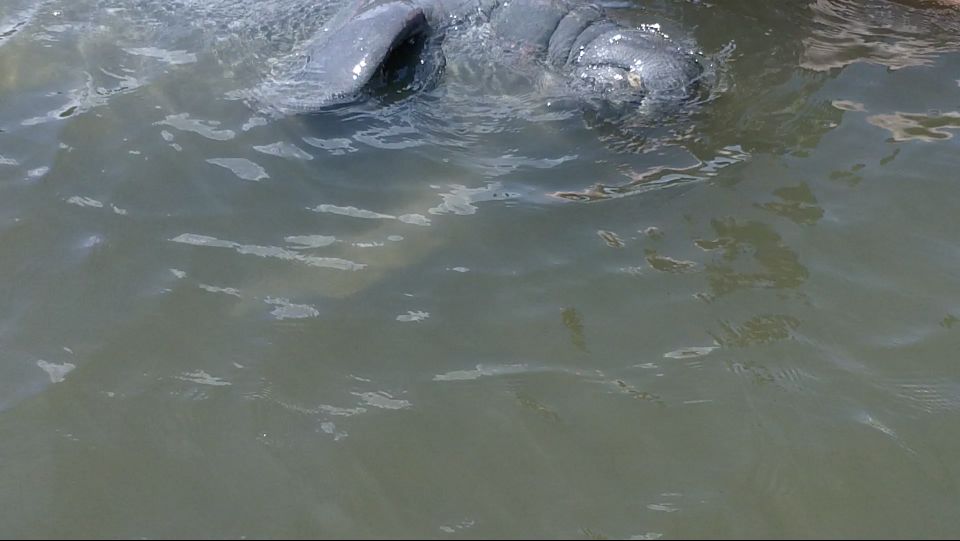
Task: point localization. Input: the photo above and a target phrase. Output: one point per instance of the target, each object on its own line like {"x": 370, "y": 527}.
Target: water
{"x": 477, "y": 311}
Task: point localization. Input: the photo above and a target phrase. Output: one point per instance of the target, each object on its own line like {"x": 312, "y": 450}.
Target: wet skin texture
{"x": 597, "y": 56}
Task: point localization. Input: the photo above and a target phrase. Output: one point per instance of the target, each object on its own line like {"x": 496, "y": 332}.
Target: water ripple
{"x": 892, "y": 34}
{"x": 282, "y": 149}
{"x": 269, "y": 252}
{"x": 206, "y": 128}
{"x": 242, "y": 167}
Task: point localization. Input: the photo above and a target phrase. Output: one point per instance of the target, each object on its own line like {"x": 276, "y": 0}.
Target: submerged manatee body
{"x": 599, "y": 58}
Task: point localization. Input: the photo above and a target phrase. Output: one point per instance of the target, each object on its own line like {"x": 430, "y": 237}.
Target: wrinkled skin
{"x": 598, "y": 57}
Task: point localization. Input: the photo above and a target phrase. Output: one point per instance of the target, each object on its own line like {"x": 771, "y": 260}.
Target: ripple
{"x": 391, "y": 137}
{"x": 206, "y": 128}
{"x": 690, "y": 352}
{"x": 284, "y": 150}
{"x": 304, "y": 242}
{"x": 329, "y": 427}
{"x": 460, "y": 199}
{"x": 12, "y": 24}
{"x": 80, "y": 100}
{"x": 322, "y": 409}
{"x": 918, "y": 126}
{"x": 217, "y": 289}
{"x": 337, "y": 146}
{"x": 611, "y": 239}
{"x": 202, "y": 378}
{"x": 891, "y": 34}
{"x": 84, "y": 201}
{"x": 254, "y": 122}
{"x": 658, "y": 177}
{"x": 90, "y": 202}
{"x": 170, "y": 57}
{"x": 455, "y": 527}
{"x": 242, "y": 167}
{"x": 761, "y": 329}
{"x": 797, "y": 203}
{"x": 269, "y": 252}
{"x": 288, "y": 310}
{"x": 872, "y": 422}
{"x": 668, "y": 264}
{"x": 354, "y": 212}
{"x": 414, "y": 219}
{"x": 340, "y": 412}
{"x": 931, "y": 396}
{"x": 383, "y": 400}
{"x": 849, "y": 105}
{"x": 781, "y": 267}
{"x": 482, "y": 371}
{"x": 665, "y": 507}
{"x": 56, "y": 372}
{"x": 507, "y": 163}
{"x": 413, "y": 315}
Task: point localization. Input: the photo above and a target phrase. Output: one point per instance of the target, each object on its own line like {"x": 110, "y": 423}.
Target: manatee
{"x": 596, "y": 56}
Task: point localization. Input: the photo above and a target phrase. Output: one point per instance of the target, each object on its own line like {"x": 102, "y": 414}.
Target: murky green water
{"x": 402, "y": 319}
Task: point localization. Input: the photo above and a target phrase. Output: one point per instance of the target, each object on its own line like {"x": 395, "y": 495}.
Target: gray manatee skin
{"x": 599, "y": 57}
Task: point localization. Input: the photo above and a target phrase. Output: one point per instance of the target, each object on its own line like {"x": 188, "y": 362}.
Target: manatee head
{"x": 637, "y": 66}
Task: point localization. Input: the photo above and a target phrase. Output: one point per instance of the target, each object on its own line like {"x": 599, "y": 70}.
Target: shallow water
{"x": 477, "y": 311}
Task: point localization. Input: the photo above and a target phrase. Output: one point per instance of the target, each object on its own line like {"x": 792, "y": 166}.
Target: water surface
{"x": 480, "y": 310}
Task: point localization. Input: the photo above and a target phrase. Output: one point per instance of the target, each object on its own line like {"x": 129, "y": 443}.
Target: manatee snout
{"x": 638, "y": 66}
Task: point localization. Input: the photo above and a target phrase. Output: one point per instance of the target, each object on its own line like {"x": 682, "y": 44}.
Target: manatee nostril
{"x": 610, "y": 81}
